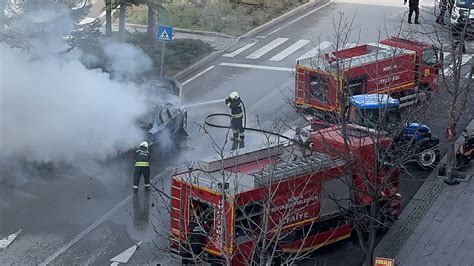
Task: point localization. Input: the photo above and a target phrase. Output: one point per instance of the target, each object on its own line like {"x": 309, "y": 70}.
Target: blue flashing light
{"x": 373, "y": 101}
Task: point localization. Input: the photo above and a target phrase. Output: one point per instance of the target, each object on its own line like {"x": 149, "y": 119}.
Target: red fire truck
{"x": 278, "y": 195}
{"x": 405, "y": 69}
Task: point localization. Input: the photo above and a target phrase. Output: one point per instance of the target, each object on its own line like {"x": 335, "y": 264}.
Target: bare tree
{"x": 376, "y": 147}
{"x": 270, "y": 213}
{"x": 108, "y": 18}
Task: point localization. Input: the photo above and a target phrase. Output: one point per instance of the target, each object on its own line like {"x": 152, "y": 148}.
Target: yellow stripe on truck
{"x": 142, "y": 164}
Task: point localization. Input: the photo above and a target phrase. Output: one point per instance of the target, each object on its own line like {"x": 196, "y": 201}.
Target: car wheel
{"x": 428, "y": 159}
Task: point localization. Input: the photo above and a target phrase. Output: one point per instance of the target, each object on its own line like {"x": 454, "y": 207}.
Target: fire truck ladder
{"x": 315, "y": 163}
{"x": 176, "y": 220}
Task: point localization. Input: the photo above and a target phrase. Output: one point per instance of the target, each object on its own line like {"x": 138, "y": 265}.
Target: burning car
{"x": 165, "y": 116}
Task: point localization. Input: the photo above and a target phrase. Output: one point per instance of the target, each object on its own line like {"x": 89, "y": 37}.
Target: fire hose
{"x": 207, "y": 122}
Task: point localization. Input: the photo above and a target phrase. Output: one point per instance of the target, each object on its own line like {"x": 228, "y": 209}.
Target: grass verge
{"x": 223, "y": 17}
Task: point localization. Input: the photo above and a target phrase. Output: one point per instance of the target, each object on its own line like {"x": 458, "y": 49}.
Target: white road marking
{"x": 125, "y": 256}
{"x": 87, "y": 20}
{"x": 86, "y": 231}
{"x": 267, "y": 48}
{"x": 313, "y": 52}
{"x": 286, "y": 69}
{"x": 240, "y": 50}
{"x": 446, "y": 54}
{"x": 9, "y": 239}
{"x": 300, "y": 18}
{"x": 464, "y": 59}
{"x": 197, "y": 75}
{"x": 293, "y": 48}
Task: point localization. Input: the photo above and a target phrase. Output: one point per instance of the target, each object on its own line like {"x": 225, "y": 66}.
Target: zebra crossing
{"x": 286, "y": 49}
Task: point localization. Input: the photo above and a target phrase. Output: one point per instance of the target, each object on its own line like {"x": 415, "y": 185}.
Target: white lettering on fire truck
{"x": 218, "y": 222}
{"x": 388, "y": 79}
{"x": 295, "y": 202}
{"x": 388, "y": 68}
{"x": 296, "y": 217}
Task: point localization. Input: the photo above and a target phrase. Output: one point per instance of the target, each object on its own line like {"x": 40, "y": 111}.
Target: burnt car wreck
{"x": 166, "y": 117}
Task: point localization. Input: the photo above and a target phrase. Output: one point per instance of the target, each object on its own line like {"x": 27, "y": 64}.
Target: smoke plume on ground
{"x": 52, "y": 107}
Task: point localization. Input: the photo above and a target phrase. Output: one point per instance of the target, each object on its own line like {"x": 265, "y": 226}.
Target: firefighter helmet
{"x": 144, "y": 144}
{"x": 234, "y": 95}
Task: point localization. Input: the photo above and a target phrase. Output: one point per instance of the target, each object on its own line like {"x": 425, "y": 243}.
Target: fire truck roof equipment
{"x": 353, "y": 57}
{"x": 255, "y": 168}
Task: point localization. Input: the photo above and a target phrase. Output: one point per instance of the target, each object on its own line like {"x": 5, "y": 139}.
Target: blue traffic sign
{"x": 164, "y": 33}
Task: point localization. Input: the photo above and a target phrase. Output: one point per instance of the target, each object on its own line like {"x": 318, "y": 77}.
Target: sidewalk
{"x": 437, "y": 226}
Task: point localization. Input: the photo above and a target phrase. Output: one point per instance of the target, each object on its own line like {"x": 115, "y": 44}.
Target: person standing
{"x": 142, "y": 167}
{"x": 443, "y": 6}
{"x": 237, "y": 115}
{"x": 413, "y": 5}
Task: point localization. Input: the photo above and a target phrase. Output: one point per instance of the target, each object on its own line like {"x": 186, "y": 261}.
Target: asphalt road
{"x": 87, "y": 215}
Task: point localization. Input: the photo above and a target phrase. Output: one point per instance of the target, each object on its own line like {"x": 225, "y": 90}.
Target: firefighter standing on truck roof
{"x": 237, "y": 115}
{"x": 142, "y": 167}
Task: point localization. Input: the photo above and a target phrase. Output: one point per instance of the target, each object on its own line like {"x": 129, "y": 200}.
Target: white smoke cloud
{"x": 57, "y": 109}
{"x": 53, "y": 107}
{"x": 126, "y": 61}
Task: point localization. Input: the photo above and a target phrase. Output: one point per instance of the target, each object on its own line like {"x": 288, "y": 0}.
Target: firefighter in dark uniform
{"x": 237, "y": 112}
{"x": 443, "y": 6}
{"x": 142, "y": 167}
{"x": 413, "y": 5}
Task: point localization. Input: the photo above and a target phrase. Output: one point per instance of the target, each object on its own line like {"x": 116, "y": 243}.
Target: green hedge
{"x": 179, "y": 54}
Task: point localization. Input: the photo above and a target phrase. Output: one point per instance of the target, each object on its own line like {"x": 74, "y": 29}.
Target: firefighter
{"x": 413, "y": 5}
{"x": 142, "y": 167}
{"x": 237, "y": 111}
{"x": 443, "y": 6}
{"x": 197, "y": 236}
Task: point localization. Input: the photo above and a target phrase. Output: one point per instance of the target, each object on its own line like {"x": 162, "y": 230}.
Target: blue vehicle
{"x": 380, "y": 113}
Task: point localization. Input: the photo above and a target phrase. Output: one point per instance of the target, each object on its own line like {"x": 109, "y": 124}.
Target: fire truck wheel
{"x": 428, "y": 159}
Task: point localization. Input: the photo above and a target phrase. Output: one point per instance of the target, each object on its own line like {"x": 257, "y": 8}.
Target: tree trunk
{"x": 123, "y": 7}
{"x": 372, "y": 232}
{"x": 2, "y": 14}
{"x": 454, "y": 113}
{"x": 151, "y": 28}
{"x": 108, "y": 18}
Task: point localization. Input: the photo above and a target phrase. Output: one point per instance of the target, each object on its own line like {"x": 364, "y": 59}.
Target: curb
{"x": 293, "y": 12}
{"x": 394, "y": 240}
{"x": 199, "y": 64}
{"x": 198, "y": 32}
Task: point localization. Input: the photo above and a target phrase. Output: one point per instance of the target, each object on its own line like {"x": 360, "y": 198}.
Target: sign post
{"x": 164, "y": 34}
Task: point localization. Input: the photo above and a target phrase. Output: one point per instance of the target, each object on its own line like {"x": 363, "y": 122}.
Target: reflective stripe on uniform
{"x": 135, "y": 186}
{"x": 239, "y": 115}
{"x": 147, "y": 185}
{"x": 142, "y": 164}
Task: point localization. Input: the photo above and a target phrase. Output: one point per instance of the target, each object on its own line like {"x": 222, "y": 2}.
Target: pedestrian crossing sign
{"x": 164, "y": 33}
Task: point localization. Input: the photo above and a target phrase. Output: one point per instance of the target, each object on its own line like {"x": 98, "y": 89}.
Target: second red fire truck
{"x": 407, "y": 70}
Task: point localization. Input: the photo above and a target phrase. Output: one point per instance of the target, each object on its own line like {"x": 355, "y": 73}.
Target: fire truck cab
{"x": 275, "y": 195}
{"x": 407, "y": 70}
